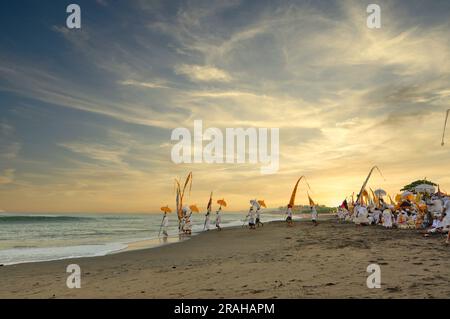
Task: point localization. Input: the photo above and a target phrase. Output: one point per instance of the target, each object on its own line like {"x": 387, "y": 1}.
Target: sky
{"x": 86, "y": 114}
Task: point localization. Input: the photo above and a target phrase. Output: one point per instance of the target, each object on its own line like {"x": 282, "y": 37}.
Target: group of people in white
{"x": 431, "y": 214}
{"x": 254, "y": 215}
{"x": 185, "y": 223}
{"x": 314, "y": 215}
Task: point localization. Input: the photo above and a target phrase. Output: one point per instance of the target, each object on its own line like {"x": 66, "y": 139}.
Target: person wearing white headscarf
{"x": 314, "y": 215}
{"x": 446, "y": 208}
{"x": 186, "y": 226}
{"x": 251, "y": 218}
{"x": 219, "y": 218}
{"x": 207, "y": 219}
{"x": 183, "y": 219}
{"x": 436, "y": 206}
{"x": 289, "y": 216}
{"x": 362, "y": 214}
{"x": 387, "y": 218}
{"x": 402, "y": 220}
{"x": 165, "y": 225}
{"x": 376, "y": 216}
{"x": 437, "y": 227}
{"x": 258, "y": 217}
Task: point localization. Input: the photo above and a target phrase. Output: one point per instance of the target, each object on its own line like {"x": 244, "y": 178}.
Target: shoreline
{"x": 137, "y": 244}
{"x": 150, "y": 243}
{"x": 274, "y": 261}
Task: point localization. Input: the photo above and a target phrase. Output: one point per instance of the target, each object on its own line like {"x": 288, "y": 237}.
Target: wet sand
{"x": 327, "y": 261}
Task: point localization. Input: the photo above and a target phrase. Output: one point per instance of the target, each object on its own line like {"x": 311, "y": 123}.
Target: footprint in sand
{"x": 394, "y": 289}
{"x": 256, "y": 291}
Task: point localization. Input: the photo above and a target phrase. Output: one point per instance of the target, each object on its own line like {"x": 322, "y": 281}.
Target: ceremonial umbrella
{"x": 222, "y": 202}
{"x": 166, "y": 209}
{"x": 262, "y": 203}
{"x": 380, "y": 192}
{"x": 194, "y": 208}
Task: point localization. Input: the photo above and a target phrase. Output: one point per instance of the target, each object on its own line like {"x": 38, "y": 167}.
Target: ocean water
{"x": 34, "y": 238}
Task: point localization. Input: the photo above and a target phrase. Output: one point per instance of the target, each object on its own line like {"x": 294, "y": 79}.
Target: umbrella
{"x": 424, "y": 188}
{"x": 194, "y": 208}
{"x": 380, "y": 192}
{"x": 261, "y": 203}
{"x": 166, "y": 209}
{"x": 222, "y": 202}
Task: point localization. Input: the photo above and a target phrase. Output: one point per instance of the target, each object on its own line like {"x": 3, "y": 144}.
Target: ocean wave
{"x": 28, "y": 255}
{"x": 37, "y": 219}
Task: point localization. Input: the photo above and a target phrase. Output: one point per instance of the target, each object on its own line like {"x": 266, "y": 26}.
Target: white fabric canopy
{"x": 425, "y": 188}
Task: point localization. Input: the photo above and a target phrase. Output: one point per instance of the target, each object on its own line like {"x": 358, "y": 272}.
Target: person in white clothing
{"x": 314, "y": 215}
{"x": 165, "y": 225}
{"x": 361, "y": 215}
{"x": 387, "y": 218}
{"x": 207, "y": 219}
{"x": 219, "y": 218}
{"x": 437, "y": 227}
{"x": 182, "y": 220}
{"x": 188, "y": 224}
{"x": 251, "y": 218}
{"x": 435, "y": 206}
{"x": 447, "y": 213}
{"x": 376, "y": 216}
{"x": 258, "y": 217}
{"x": 289, "y": 216}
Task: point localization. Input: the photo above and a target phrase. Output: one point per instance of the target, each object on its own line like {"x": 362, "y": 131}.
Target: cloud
{"x": 7, "y": 177}
{"x": 147, "y": 85}
{"x": 97, "y": 152}
{"x": 202, "y": 73}
{"x": 55, "y": 89}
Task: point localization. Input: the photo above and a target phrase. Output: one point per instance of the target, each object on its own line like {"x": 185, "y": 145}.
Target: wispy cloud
{"x": 7, "y": 177}
{"x": 98, "y": 152}
{"x": 147, "y": 85}
{"x": 203, "y": 73}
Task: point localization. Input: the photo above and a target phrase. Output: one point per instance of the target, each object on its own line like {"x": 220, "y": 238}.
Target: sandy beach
{"x": 327, "y": 261}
